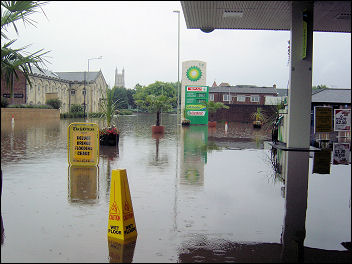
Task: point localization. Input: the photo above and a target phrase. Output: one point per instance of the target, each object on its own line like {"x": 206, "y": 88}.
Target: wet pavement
{"x": 198, "y": 194}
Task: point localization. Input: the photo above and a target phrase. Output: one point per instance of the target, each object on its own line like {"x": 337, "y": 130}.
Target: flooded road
{"x": 198, "y": 194}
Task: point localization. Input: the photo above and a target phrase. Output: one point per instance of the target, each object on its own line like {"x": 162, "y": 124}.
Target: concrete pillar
{"x": 296, "y": 188}
{"x": 300, "y": 90}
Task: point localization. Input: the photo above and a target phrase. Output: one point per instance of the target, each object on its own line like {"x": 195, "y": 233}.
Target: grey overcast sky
{"x": 141, "y": 37}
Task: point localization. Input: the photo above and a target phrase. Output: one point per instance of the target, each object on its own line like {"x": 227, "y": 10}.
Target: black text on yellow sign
{"x": 122, "y": 225}
{"x": 83, "y": 144}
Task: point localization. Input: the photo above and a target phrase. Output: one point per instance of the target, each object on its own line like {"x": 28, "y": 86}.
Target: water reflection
{"x": 291, "y": 169}
{"x": 194, "y": 140}
{"x": 228, "y": 199}
{"x": 120, "y": 252}
{"x": 83, "y": 184}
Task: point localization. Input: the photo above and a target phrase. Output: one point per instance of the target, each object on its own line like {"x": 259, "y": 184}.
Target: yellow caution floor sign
{"x": 121, "y": 225}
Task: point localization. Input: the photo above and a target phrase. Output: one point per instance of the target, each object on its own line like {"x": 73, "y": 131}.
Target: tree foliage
{"x": 14, "y": 60}
{"x": 156, "y": 89}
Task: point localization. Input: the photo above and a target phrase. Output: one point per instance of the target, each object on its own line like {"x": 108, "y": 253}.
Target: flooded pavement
{"x": 198, "y": 194}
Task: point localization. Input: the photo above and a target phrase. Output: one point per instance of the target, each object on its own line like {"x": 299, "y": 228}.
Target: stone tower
{"x": 120, "y": 78}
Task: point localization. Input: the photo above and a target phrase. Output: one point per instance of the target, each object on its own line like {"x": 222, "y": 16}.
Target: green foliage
{"x": 96, "y": 115}
{"x": 319, "y": 86}
{"x": 258, "y": 115}
{"x": 124, "y": 112}
{"x": 4, "y": 102}
{"x": 77, "y": 108}
{"x": 55, "y": 103}
{"x": 14, "y": 60}
{"x": 156, "y": 89}
{"x": 213, "y": 107}
{"x": 44, "y": 106}
{"x": 72, "y": 115}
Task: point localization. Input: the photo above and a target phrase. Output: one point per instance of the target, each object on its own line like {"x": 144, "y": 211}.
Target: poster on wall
{"x": 341, "y": 153}
{"x": 323, "y": 119}
{"x": 342, "y": 119}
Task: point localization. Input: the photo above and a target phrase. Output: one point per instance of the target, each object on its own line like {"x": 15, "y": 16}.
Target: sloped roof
{"x": 282, "y": 92}
{"x": 44, "y": 72}
{"x": 243, "y": 90}
{"x": 78, "y": 76}
{"x": 340, "y": 96}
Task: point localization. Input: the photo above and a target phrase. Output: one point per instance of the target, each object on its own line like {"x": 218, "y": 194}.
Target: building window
{"x": 73, "y": 92}
{"x": 226, "y": 97}
{"x": 211, "y": 97}
{"x": 241, "y": 98}
{"x": 84, "y": 92}
{"x": 255, "y": 98}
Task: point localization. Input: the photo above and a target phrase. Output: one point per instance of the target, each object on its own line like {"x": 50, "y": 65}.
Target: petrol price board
{"x": 195, "y": 98}
{"x": 83, "y": 144}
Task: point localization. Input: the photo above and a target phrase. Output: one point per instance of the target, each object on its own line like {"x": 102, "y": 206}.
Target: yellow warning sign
{"x": 121, "y": 225}
{"x": 83, "y": 144}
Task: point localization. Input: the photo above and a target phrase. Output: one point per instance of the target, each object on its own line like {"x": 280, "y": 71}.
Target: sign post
{"x": 83, "y": 144}
{"x": 194, "y": 92}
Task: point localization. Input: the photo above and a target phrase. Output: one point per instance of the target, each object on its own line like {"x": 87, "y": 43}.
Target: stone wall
{"x": 28, "y": 113}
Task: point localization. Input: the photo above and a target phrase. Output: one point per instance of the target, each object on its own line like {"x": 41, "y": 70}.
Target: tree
{"x": 119, "y": 95}
{"x": 156, "y": 104}
{"x": 15, "y": 60}
{"x": 158, "y": 88}
{"x": 213, "y": 107}
{"x": 319, "y": 86}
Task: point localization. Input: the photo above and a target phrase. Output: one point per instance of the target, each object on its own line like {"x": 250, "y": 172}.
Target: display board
{"x": 196, "y": 98}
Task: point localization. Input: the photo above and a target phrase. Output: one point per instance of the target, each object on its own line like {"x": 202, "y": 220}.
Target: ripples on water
{"x": 199, "y": 195}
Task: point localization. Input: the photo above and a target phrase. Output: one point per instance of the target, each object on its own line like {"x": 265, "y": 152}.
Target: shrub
{"x": 97, "y": 114}
{"x": 4, "y": 102}
{"x": 55, "y": 103}
{"x": 124, "y": 112}
{"x": 30, "y": 106}
{"x": 76, "y": 108}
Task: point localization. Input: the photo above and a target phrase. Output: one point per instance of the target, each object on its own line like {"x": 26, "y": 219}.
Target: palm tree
{"x": 213, "y": 107}
{"x": 15, "y": 60}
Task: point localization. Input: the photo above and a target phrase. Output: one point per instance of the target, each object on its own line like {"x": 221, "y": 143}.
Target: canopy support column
{"x": 300, "y": 90}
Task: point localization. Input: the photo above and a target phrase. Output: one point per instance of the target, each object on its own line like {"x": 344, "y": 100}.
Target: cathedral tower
{"x": 120, "y": 78}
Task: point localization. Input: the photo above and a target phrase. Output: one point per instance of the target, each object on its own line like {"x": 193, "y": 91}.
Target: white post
{"x": 300, "y": 91}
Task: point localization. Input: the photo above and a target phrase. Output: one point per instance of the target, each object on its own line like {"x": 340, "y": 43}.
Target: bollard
{"x": 122, "y": 225}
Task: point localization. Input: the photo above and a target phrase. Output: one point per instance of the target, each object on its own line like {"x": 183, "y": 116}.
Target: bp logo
{"x": 194, "y": 73}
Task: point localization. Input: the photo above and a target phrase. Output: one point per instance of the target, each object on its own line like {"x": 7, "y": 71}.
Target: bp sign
{"x": 195, "y": 98}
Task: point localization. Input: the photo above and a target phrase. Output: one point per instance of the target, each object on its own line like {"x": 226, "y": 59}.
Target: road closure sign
{"x": 83, "y": 144}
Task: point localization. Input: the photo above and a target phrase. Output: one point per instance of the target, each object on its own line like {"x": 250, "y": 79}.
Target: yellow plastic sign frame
{"x": 121, "y": 224}
{"x": 83, "y": 144}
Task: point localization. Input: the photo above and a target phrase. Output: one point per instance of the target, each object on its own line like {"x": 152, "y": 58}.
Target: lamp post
{"x": 84, "y": 89}
{"x": 178, "y": 62}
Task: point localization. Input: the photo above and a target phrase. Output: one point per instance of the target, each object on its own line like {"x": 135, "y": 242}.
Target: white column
{"x": 296, "y": 188}
{"x": 300, "y": 91}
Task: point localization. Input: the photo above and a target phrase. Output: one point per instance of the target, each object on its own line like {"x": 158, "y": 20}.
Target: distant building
{"x": 241, "y": 94}
{"x": 120, "y": 78}
{"x": 66, "y": 86}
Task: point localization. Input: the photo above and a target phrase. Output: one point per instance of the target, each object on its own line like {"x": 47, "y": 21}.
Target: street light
{"x": 98, "y": 58}
{"x": 178, "y": 62}
{"x": 84, "y": 89}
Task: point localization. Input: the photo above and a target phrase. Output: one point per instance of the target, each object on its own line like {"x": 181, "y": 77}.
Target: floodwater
{"x": 199, "y": 194}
